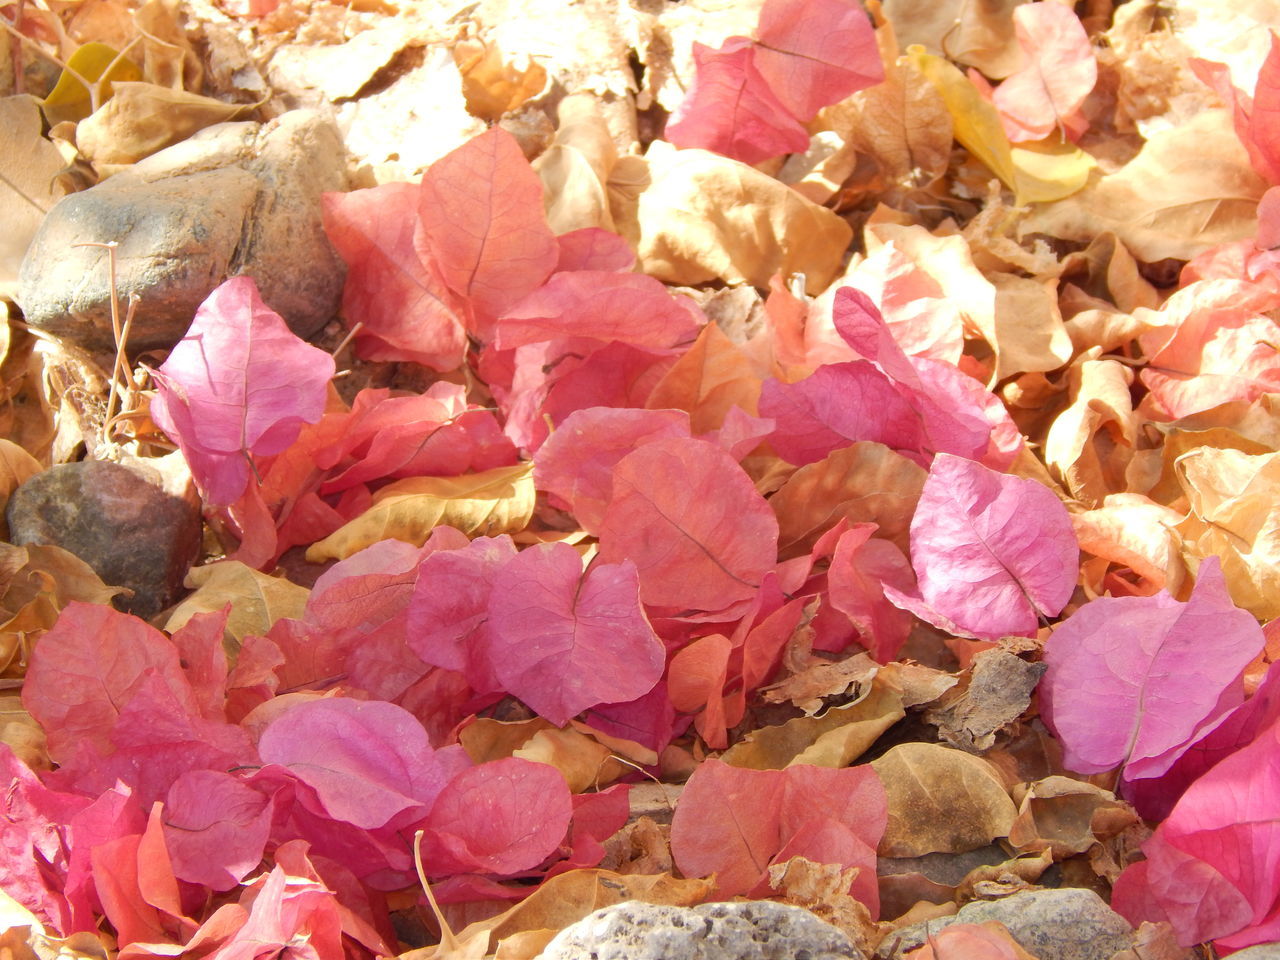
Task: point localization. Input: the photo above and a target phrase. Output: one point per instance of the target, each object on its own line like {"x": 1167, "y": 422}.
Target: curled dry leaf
{"x": 705, "y": 217}
{"x": 489, "y": 503}
{"x": 141, "y": 118}
{"x": 940, "y": 801}
{"x": 29, "y": 164}
{"x": 1189, "y": 188}
{"x": 865, "y": 482}
{"x": 1067, "y": 817}
{"x": 835, "y": 739}
{"x": 257, "y": 600}
{"x": 1234, "y": 509}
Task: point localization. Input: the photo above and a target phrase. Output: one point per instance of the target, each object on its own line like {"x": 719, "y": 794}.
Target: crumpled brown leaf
{"x": 20, "y": 732}
{"x": 835, "y": 739}
{"x": 1066, "y": 816}
{"x": 1235, "y": 516}
{"x": 941, "y": 800}
{"x": 142, "y": 118}
{"x": 902, "y": 123}
{"x": 1090, "y": 444}
{"x": 993, "y": 693}
{"x": 1135, "y": 533}
{"x": 30, "y": 165}
{"x": 823, "y": 890}
{"x": 575, "y": 169}
{"x": 1190, "y": 188}
{"x": 977, "y": 34}
{"x": 705, "y": 217}
{"x": 493, "y": 84}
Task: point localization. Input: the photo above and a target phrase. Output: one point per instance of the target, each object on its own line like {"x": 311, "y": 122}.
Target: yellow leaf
{"x": 835, "y": 739}
{"x": 479, "y": 504}
{"x": 143, "y": 118}
{"x": 97, "y": 63}
{"x": 977, "y": 122}
{"x": 1047, "y": 170}
{"x": 257, "y": 600}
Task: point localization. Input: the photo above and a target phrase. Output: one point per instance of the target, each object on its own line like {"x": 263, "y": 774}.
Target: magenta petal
{"x": 1137, "y": 680}
{"x": 565, "y": 640}
{"x": 992, "y": 553}
{"x": 239, "y": 383}
{"x": 368, "y": 761}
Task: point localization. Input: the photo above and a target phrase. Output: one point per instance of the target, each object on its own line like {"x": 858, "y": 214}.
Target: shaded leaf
{"x": 940, "y": 801}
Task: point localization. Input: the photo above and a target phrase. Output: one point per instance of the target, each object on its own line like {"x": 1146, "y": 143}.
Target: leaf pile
{"x": 889, "y": 455}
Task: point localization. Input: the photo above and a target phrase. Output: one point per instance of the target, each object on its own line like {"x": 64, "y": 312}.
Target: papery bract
{"x": 859, "y": 569}
{"x": 286, "y": 907}
{"x": 449, "y": 612}
{"x": 563, "y": 639}
{"x": 1154, "y": 798}
{"x": 731, "y": 108}
{"x": 215, "y": 828}
{"x": 89, "y": 666}
{"x": 33, "y": 853}
{"x": 734, "y": 822}
{"x": 363, "y": 592}
{"x": 369, "y": 762}
{"x": 691, "y": 520}
{"x": 432, "y": 434}
{"x": 1213, "y": 867}
{"x": 239, "y": 383}
{"x": 1264, "y": 121}
{"x": 158, "y": 735}
{"x": 499, "y": 817}
{"x": 481, "y": 222}
{"x": 576, "y": 463}
{"x": 1212, "y": 345}
{"x": 136, "y": 886}
{"x": 956, "y": 414}
{"x": 593, "y": 248}
{"x": 1059, "y": 72}
{"x": 1137, "y": 680}
{"x": 992, "y": 553}
{"x": 839, "y": 404}
{"x": 813, "y": 53}
{"x": 604, "y": 305}
{"x": 407, "y": 310}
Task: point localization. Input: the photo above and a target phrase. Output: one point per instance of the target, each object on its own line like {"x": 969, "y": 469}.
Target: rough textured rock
{"x": 235, "y": 198}
{"x": 756, "y": 930}
{"x": 1067, "y": 924}
{"x": 1263, "y": 951}
{"x": 134, "y": 531}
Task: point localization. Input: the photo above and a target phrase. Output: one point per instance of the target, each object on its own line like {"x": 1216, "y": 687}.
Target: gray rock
{"x": 752, "y": 930}
{"x": 1261, "y": 951}
{"x": 1066, "y": 924}
{"x": 120, "y": 520}
{"x": 235, "y": 198}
